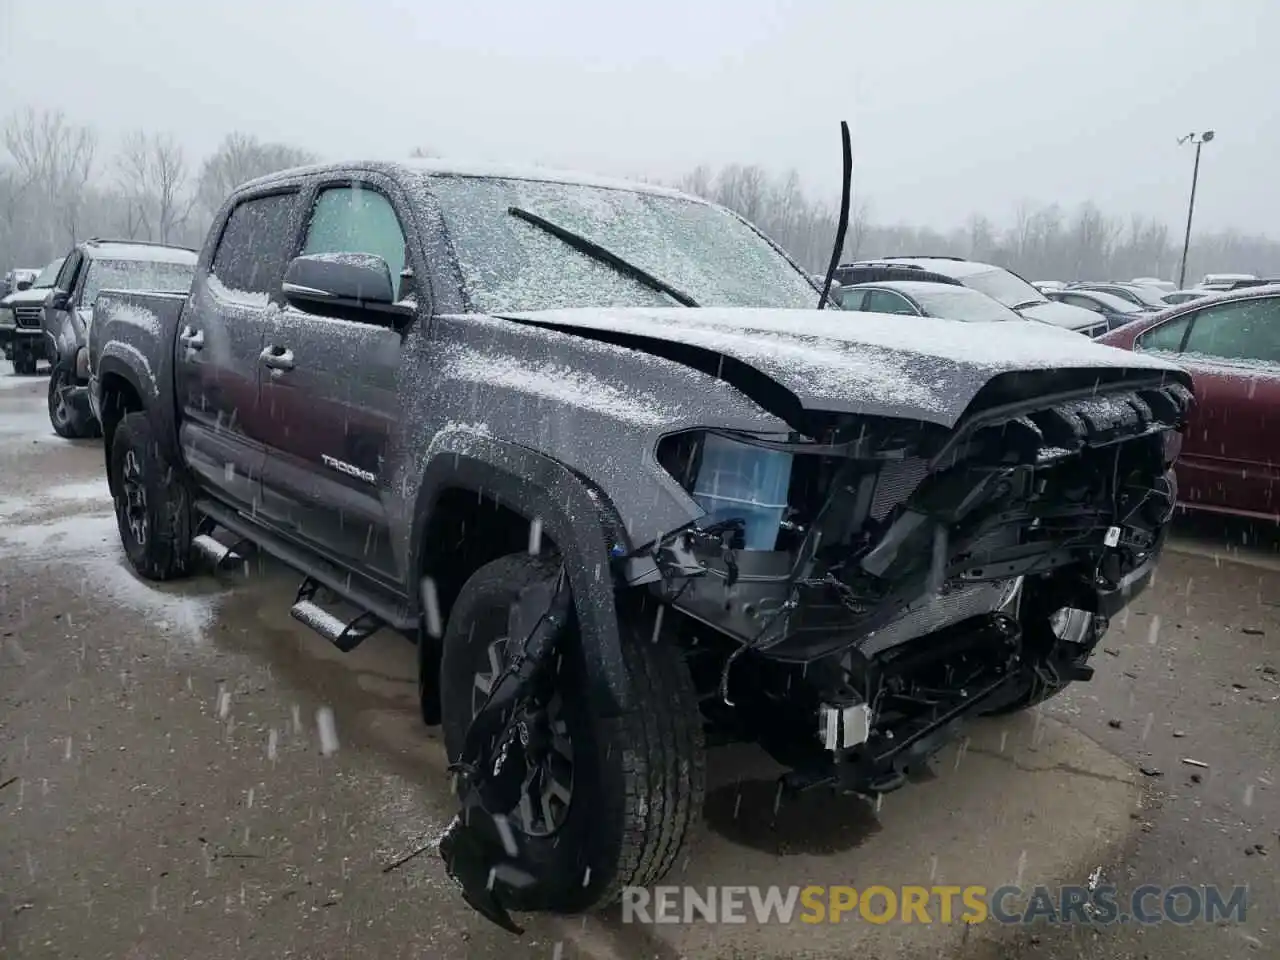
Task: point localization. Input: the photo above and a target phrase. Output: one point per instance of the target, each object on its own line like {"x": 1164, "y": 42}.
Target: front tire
{"x": 24, "y": 362}
{"x": 627, "y": 792}
{"x": 153, "y": 508}
{"x": 68, "y": 422}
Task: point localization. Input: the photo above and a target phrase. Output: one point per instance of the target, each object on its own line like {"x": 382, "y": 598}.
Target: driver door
{"x": 329, "y": 392}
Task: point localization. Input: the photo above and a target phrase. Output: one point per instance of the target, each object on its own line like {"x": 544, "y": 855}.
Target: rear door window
{"x": 885, "y": 301}
{"x": 1167, "y": 337}
{"x": 850, "y": 299}
{"x": 1083, "y": 302}
{"x": 254, "y": 244}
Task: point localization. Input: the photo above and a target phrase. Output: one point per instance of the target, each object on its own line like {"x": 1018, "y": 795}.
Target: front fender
{"x": 539, "y": 488}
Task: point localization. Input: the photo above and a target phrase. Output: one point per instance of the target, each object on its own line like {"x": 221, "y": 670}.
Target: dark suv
{"x": 996, "y": 282}
{"x": 91, "y": 267}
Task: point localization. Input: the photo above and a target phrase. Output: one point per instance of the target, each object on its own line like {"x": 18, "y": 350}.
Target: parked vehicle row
{"x": 68, "y": 314}
{"x": 1003, "y": 286}
{"x": 592, "y": 448}
{"x": 21, "y": 334}
{"x": 49, "y": 318}
{"x": 1229, "y": 462}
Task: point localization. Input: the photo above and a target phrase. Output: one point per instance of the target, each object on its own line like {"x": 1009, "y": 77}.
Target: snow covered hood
{"x": 28, "y": 296}
{"x": 921, "y": 368}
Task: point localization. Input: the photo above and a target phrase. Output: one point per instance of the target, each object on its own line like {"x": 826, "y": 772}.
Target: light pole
{"x": 1199, "y": 139}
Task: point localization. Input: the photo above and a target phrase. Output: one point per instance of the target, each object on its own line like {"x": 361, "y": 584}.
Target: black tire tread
{"x": 665, "y": 780}
{"x": 78, "y": 426}
{"x": 654, "y": 774}
{"x": 167, "y": 554}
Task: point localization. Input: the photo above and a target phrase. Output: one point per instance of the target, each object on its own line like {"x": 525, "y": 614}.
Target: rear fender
{"x": 540, "y": 489}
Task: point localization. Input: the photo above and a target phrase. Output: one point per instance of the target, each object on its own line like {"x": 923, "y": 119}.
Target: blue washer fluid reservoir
{"x": 739, "y": 481}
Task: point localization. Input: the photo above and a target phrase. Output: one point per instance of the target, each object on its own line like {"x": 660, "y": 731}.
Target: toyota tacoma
{"x": 591, "y": 446}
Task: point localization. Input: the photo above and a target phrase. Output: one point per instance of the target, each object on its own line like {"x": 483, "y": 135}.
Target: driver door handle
{"x": 278, "y": 358}
{"x": 191, "y": 338}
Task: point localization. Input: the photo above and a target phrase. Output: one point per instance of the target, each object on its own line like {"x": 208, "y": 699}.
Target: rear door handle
{"x": 278, "y": 358}
{"x": 191, "y": 339}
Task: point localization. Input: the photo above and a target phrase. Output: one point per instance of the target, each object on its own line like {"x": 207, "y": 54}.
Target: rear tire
{"x": 637, "y": 781}
{"x": 153, "y": 507}
{"x": 68, "y": 422}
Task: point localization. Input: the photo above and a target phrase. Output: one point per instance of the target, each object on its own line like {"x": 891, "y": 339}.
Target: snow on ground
{"x": 11, "y": 381}
{"x": 89, "y": 544}
{"x": 92, "y": 492}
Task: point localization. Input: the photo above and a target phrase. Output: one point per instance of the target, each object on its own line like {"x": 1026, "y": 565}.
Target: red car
{"x": 1230, "y": 344}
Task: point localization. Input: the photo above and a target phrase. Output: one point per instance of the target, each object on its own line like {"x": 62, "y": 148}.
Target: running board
{"x": 346, "y": 636}
{"x": 216, "y": 553}
{"x": 393, "y": 611}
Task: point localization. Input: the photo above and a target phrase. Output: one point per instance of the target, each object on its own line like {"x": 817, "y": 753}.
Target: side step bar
{"x": 391, "y": 611}
{"x": 343, "y": 635}
{"x": 216, "y": 553}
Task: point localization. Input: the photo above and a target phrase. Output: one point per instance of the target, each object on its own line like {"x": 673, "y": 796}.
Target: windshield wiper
{"x": 1029, "y": 303}
{"x": 596, "y": 252}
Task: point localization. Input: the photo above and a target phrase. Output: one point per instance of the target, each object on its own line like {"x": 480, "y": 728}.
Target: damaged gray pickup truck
{"x": 590, "y": 445}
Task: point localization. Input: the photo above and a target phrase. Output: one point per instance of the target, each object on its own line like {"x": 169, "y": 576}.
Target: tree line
{"x": 1042, "y": 242}
{"x": 59, "y": 184}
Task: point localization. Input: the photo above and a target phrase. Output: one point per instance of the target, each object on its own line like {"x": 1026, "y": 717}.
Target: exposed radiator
{"x": 896, "y": 481}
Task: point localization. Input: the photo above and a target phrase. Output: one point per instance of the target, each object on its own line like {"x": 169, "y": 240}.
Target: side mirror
{"x": 24, "y": 285}
{"x": 58, "y": 300}
{"x": 349, "y": 281}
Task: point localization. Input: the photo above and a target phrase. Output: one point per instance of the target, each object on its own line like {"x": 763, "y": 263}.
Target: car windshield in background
{"x": 1005, "y": 287}
{"x": 961, "y": 303}
{"x": 153, "y": 275}
{"x": 1151, "y": 296}
{"x": 47, "y": 276}
{"x": 510, "y": 265}
{"x": 1114, "y": 303}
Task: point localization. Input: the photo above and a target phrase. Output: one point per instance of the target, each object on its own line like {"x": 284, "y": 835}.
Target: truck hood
{"x": 28, "y": 296}
{"x": 917, "y": 368}
{"x": 1062, "y": 315}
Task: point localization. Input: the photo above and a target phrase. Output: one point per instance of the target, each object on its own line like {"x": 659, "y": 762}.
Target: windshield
{"x": 961, "y": 303}
{"x": 1005, "y": 287}
{"x": 1114, "y": 303}
{"x": 1145, "y": 294}
{"x": 48, "y": 275}
{"x": 136, "y": 275}
{"x": 509, "y": 264}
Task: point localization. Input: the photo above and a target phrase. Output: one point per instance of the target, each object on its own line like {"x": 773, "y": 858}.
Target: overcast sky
{"x": 955, "y": 107}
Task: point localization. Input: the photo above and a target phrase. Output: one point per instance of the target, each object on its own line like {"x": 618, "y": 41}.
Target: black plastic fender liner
{"x": 156, "y": 391}
{"x": 539, "y": 488}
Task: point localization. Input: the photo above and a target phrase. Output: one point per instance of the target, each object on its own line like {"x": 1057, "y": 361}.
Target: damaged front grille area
{"x": 885, "y": 541}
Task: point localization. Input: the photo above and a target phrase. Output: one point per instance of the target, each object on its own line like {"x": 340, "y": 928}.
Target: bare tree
{"x": 54, "y": 158}
{"x": 152, "y": 173}
{"x": 239, "y": 158}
